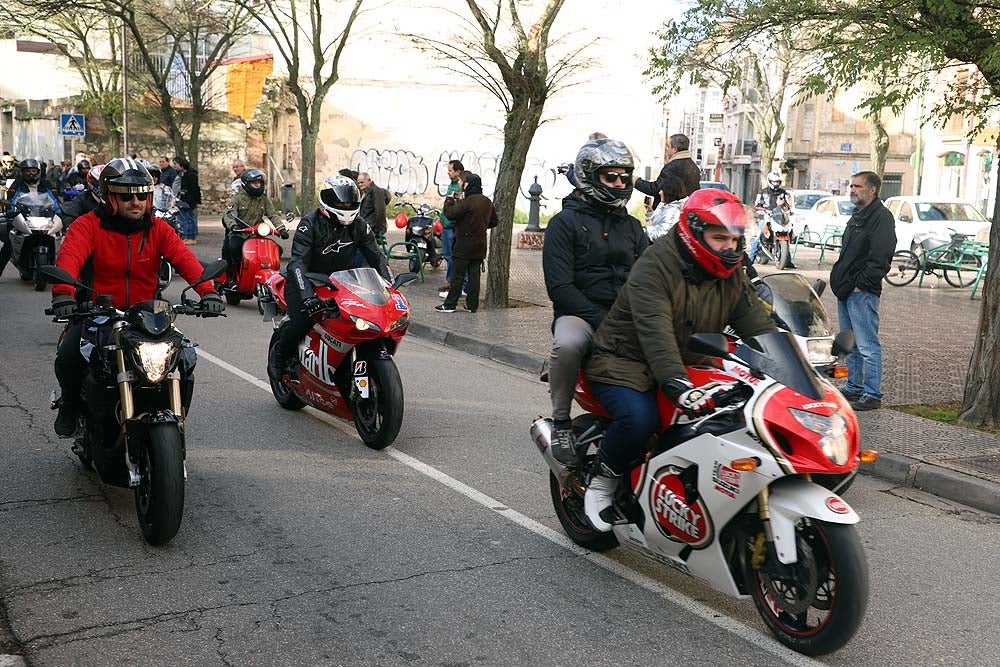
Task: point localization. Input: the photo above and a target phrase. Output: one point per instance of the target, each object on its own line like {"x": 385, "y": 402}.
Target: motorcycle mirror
{"x": 819, "y": 286}
{"x": 57, "y": 276}
{"x": 711, "y": 345}
{"x": 842, "y": 343}
{"x": 213, "y": 270}
{"x": 289, "y": 216}
{"x": 404, "y": 279}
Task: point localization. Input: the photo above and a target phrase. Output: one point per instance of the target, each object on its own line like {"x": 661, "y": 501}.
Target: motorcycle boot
{"x": 66, "y": 418}
{"x": 599, "y": 498}
{"x": 563, "y": 443}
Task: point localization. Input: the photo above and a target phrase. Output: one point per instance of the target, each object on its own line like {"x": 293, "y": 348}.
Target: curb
{"x": 903, "y": 470}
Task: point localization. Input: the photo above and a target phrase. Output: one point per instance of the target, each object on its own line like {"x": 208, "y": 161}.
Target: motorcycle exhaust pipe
{"x": 541, "y": 435}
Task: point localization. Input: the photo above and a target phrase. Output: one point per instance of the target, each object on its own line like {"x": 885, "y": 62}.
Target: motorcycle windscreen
{"x": 795, "y": 306}
{"x": 365, "y": 283}
{"x": 36, "y": 205}
{"x": 152, "y": 317}
{"x": 779, "y": 355}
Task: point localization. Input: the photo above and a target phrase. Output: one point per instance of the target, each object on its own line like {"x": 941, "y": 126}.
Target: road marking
{"x": 746, "y": 632}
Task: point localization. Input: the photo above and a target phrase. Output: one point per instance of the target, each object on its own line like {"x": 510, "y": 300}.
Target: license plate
{"x": 421, "y": 244}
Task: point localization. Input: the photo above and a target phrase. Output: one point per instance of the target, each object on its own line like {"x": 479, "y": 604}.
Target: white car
{"x": 920, "y": 217}
{"x": 831, "y": 211}
{"x": 802, "y": 201}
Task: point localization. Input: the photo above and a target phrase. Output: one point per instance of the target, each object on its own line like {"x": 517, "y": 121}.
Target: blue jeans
{"x": 864, "y": 363}
{"x": 447, "y": 238}
{"x": 189, "y": 223}
{"x": 634, "y": 418}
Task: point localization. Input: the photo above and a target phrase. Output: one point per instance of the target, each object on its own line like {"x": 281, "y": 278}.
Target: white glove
{"x": 700, "y": 401}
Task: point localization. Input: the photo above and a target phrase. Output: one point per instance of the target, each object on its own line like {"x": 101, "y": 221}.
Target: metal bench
{"x": 829, "y": 239}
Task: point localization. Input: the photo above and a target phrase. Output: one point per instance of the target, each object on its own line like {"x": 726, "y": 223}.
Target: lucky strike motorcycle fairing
{"x": 135, "y": 398}
{"x": 345, "y": 366}
{"x": 261, "y": 257}
{"x": 35, "y": 231}
{"x": 733, "y": 499}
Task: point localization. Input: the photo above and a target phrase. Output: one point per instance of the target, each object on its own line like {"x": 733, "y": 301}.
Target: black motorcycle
{"x": 35, "y": 233}
{"x": 135, "y": 398}
{"x": 423, "y": 229}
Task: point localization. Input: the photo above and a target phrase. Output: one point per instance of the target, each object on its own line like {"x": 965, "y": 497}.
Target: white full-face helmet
{"x": 340, "y": 197}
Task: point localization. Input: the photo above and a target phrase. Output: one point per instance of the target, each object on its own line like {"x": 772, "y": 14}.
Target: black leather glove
{"x": 213, "y": 303}
{"x": 314, "y": 305}
{"x": 63, "y": 306}
{"x": 282, "y": 232}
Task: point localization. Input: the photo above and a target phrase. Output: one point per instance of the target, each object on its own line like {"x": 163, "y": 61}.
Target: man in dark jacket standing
{"x": 856, "y": 279}
{"x": 679, "y": 164}
{"x": 473, "y": 214}
{"x": 373, "y": 202}
{"x": 590, "y": 247}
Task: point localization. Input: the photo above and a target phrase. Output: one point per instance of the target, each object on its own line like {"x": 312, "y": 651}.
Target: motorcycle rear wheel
{"x": 159, "y": 498}
{"x": 569, "y": 510}
{"x": 232, "y": 298}
{"x": 833, "y": 568}
{"x": 285, "y": 397}
{"x": 378, "y": 417}
{"x": 415, "y": 264}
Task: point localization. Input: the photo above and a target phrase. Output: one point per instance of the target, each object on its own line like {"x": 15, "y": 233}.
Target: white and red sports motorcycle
{"x": 737, "y": 499}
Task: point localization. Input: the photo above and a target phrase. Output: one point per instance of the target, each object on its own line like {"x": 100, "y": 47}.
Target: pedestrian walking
{"x": 473, "y": 213}
{"x": 856, "y": 279}
{"x": 679, "y": 163}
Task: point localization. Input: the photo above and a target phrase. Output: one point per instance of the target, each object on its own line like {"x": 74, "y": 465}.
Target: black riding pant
{"x": 232, "y": 252}
{"x": 70, "y": 367}
{"x": 298, "y": 324}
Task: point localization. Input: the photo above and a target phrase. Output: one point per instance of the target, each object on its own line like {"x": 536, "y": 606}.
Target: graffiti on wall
{"x": 403, "y": 171}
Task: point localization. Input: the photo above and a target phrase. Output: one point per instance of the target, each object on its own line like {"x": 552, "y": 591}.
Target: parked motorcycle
{"x": 261, "y": 258}
{"x": 166, "y": 269}
{"x": 423, "y": 229}
{"x": 776, "y": 237}
{"x": 733, "y": 499}
{"x": 35, "y": 233}
{"x": 345, "y": 361}
{"x": 136, "y": 397}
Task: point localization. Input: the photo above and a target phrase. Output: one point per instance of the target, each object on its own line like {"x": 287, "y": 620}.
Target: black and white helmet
{"x": 340, "y": 197}
{"x": 123, "y": 175}
{"x": 774, "y": 179}
{"x": 597, "y": 154}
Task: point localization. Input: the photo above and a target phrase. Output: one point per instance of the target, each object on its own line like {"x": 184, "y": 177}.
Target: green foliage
{"x": 521, "y": 218}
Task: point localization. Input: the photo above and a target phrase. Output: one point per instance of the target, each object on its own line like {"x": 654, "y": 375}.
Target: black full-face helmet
{"x": 124, "y": 175}
{"x": 595, "y": 155}
{"x": 31, "y": 171}
{"x": 253, "y": 182}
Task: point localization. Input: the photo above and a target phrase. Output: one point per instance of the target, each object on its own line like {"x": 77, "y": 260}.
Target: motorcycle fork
{"x": 124, "y": 381}
{"x": 763, "y": 544}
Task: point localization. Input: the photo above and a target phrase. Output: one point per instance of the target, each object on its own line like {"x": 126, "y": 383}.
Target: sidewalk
{"x": 926, "y": 334}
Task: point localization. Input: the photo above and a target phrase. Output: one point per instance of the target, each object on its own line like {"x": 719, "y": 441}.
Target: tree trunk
{"x": 111, "y": 121}
{"x": 308, "y": 174}
{"x": 981, "y": 403}
{"x": 519, "y": 130}
{"x": 880, "y": 142}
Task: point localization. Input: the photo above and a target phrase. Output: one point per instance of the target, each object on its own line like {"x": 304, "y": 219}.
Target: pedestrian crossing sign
{"x": 73, "y": 125}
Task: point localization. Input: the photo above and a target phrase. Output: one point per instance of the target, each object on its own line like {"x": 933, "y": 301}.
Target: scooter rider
{"x": 251, "y": 206}
{"x": 325, "y": 241}
{"x": 769, "y": 199}
{"x": 688, "y": 282}
{"x": 121, "y": 245}
{"x": 84, "y": 203}
{"x": 590, "y": 246}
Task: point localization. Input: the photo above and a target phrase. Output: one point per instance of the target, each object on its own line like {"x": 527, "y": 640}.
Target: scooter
{"x": 733, "y": 499}
{"x": 166, "y": 269}
{"x": 35, "y": 234}
{"x": 776, "y": 237}
{"x": 261, "y": 258}
{"x": 423, "y": 229}
{"x": 136, "y": 397}
{"x": 345, "y": 365}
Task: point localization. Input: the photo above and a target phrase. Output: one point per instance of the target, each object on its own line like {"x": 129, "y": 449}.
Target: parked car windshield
{"x": 948, "y": 211}
{"x": 808, "y": 199}
{"x": 845, "y": 208}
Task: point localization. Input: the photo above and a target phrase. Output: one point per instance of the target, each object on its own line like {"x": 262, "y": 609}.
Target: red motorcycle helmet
{"x": 710, "y": 206}
{"x": 438, "y": 226}
{"x": 402, "y": 221}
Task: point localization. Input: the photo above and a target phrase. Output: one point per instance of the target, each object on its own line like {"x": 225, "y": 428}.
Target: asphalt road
{"x": 300, "y": 546}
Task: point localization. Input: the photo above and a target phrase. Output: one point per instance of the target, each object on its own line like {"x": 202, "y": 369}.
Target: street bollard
{"x": 534, "y": 197}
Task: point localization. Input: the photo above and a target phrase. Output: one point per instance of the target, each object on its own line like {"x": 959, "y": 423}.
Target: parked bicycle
{"x": 958, "y": 265}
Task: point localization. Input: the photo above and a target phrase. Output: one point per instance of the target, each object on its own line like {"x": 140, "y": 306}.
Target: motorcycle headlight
{"x": 401, "y": 322}
{"x": 832, "y": 428}
{"x": 264, "y": 229}
{"x": 155, "y": 360}
{"x": 363, "y": 324}
{"x": 819, "y": 350}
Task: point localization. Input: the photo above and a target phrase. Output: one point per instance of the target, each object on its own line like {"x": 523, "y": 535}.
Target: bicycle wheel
{"x": 903, "y": 268}
{"x": 965, "y": 276}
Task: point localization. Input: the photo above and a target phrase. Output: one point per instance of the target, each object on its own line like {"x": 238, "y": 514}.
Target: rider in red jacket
{"x": 116, "y": 249}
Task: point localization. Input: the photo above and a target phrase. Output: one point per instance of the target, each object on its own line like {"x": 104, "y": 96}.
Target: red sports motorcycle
{"x": 739, "y": 499}
{"x": 345, "y": 361}
{"x": 261, "y": 259}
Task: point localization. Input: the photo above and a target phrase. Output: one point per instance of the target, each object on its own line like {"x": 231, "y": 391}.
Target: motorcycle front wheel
{"x": 784, "y": 255}
{"x": 815, "y": 605}
{"x": 378, "y": 417}
{"x": 159, "y": 498}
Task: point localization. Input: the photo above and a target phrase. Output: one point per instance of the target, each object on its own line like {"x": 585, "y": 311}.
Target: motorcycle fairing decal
{"x": 315, "y": 362}
{"x": 768, "y": 440}
{"x": 362, "y": 384}
{"x": 400, "y": 302}
{"x": 338, "y": 345}
{"x": 726, "y": 480}
{"x": 677, "y": 520}
{"x": 360, "y": 367}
